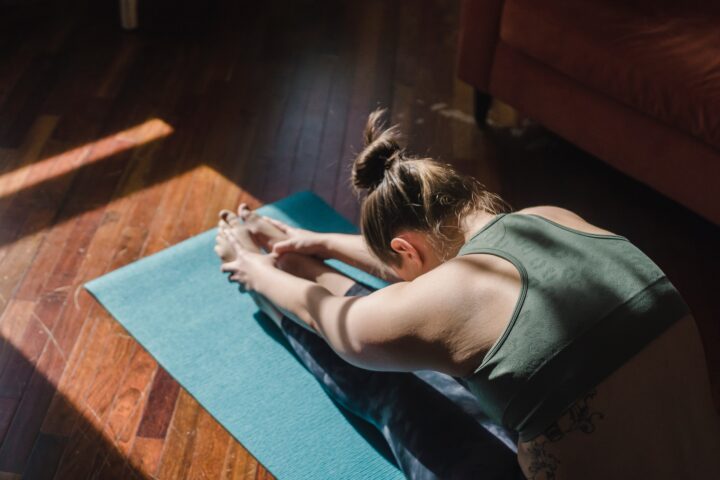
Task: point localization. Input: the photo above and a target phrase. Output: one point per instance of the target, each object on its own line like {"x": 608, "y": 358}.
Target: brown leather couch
{"x": 635, "y": 83}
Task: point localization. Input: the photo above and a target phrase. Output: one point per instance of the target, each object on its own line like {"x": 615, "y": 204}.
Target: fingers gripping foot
{"x": 265, "y": 231}
{"x": 231, "y": 231}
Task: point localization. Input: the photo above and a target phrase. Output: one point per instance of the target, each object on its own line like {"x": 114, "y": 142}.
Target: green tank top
{"x": 588, "y": 303}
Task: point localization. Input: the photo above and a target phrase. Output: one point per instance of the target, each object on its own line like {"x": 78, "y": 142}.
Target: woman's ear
{"x": 403, "y": 247}
{"x": 411, "y": 257}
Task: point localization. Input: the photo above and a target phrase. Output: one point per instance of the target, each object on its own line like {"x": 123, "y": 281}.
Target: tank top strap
{"x": 474, "y": 240}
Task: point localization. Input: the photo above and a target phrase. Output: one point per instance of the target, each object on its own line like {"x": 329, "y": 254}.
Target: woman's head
{"x": 413, "y": 208}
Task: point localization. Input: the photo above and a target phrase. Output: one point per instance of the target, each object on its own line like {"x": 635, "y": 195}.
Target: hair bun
{"x": 382, "y": 148}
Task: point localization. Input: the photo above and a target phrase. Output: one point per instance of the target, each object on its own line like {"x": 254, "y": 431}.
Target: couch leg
{"x": 504, "y": 116}
{"x": 482, "y": 106}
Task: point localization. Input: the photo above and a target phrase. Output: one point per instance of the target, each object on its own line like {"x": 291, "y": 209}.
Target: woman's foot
{"x": 232, "y": 235}
{"x": 229, "y": 227}
{"x": 265, "y": 232}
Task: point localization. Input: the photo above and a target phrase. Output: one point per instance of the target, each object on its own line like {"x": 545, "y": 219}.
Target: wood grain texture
{"x": 116, "y": 145}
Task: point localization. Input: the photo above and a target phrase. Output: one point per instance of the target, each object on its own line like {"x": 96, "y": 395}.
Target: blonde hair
{"x": 403, "y": 192}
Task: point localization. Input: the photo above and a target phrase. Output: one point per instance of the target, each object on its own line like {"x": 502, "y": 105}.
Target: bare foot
{"x": 229, "y": 227}
{"x": 255, "y": 233}
{"x": 263, "y": 229}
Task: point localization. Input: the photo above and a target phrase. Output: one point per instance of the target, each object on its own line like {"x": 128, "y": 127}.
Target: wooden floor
{"x": 116, "y": 145}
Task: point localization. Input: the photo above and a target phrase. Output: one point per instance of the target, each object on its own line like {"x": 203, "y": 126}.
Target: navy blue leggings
{"x": 433, "y": 425}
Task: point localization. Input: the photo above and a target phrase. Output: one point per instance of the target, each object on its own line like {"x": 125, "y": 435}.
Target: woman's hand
{"x": 300, "y": 240}
{"x": 248, "y": 268}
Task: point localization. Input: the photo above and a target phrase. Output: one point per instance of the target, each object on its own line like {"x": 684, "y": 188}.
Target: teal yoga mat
{"x": 234, "y": 361}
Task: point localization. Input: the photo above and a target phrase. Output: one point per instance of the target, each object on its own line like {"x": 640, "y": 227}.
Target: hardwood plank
{"x": 62, "y": 413}
{"x": 21, "y": 365}
{"x": 27, "y": 154}
{"x": 11, "y": 70}
{"x": 47, "y": 257}
{"x": 194, "y": 207}
{"x": 313, "y": 123}
{"x": 80, "y": 457}
{"x": 25, "y": 100}
{"x": 13, "y": 322}
{"x": 272, "y": 87}
{"x": 64, "y": 274}
{"x": 284, "y": 146}
{"x": 180, "y": 442}
{"x": 239, "y": 463}
{"x": 19, "y": 256}
{"x": 131, "y": 473}
{"x": 45, "y": 456}
{"x": 127, "y": 408}
{"x": 28, "y": 418}
{"x": 211, "y": 442}
{"x": 110, "y": 467}
{"x": 7, "y": 411}
{"x": 146, "y": 453}
{"x": 115, "y": 74}
{"x": 118, "y": 349}
{"x": 160, "y": 406}
{"x": 67, "y": 410}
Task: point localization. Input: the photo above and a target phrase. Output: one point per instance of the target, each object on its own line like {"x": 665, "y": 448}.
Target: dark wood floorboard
{"x": 115, "y": 145}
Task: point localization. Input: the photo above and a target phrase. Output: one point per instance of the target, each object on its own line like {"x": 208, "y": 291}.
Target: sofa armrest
{"x": 478, "y": 36}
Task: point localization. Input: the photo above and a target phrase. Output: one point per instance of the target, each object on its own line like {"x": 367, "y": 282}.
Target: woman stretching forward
{"x": 563, "y": 333}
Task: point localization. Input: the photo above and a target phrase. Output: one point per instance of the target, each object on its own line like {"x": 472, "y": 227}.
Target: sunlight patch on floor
{"x": 35, "y": 173}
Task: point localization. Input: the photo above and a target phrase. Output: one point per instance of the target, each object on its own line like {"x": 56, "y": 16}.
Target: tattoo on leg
{"x": 544, "y": 464}
{"x": 579, "y": 416}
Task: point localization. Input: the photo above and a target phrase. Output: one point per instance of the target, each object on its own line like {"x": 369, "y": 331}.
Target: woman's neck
{"x": 475, "y": 221}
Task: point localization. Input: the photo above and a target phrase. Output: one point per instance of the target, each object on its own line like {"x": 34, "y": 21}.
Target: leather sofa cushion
{"x": 665, "y": 63}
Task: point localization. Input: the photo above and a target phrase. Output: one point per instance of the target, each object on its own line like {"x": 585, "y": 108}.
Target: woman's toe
{"x": 244, "y": 212}
{"x": 224, "y": 250}
{"x": 224, "y": 213}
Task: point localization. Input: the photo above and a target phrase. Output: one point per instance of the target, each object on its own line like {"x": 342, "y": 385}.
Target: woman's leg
{"x": 431, "y": 435}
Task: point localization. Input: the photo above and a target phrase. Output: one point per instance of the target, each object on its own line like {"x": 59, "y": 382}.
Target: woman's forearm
{"x": 313, "y": 305}
{"x": 300, "y": 300}
{"x": 287, "y": 292}
{"x": 353, "y": 250}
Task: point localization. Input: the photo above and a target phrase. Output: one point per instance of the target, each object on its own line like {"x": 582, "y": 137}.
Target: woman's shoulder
{"x": 564, "y": 217}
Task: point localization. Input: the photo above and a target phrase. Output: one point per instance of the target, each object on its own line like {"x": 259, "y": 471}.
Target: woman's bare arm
{"x": 406, "y": 326}
{"x": 347, "y": 248}
{"x": 353, "y": 250}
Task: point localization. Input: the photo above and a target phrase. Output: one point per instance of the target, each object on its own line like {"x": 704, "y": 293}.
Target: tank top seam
{"x": 576, "y": 231}
{"x": 524, "y": 280}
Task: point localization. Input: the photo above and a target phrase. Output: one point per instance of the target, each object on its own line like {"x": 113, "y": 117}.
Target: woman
{"x": 563, "y": 332}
